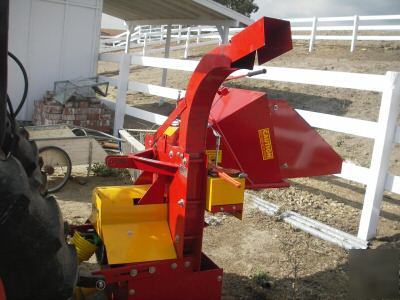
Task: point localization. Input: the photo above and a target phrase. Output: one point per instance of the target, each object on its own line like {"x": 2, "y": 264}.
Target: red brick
{"x": 54, "y": 117}
{"x": 105, "y": 123}
{"x": 81, "y": 117}
{"x": 94, "y": 110}
{"x": 68, "y": 117}
{"x": 53, "y": 109}
{"x": 106, "y": 116}
{"x": 84, "y": 104}
{"x": 93, "y": 116}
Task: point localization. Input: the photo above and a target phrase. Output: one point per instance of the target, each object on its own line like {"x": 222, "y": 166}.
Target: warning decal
{"x": 266, "y": 144}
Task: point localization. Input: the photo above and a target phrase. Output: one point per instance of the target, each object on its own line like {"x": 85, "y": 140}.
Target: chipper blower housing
{"x": 217, "y": 142}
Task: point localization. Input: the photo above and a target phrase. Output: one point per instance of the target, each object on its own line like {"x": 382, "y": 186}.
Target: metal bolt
{"x": 221, "y": 209}
{"x": 132, "y": 292}
{"x": 174, "y": 266}
{"x": 171, "y": 153}
{"x": 275, "y": 107}
{"x": 152, "y": 270}
{"x": 181, "y": 202}
{"x": 177, "y": 238}
{"x": 184, "y": 161}
{"x": 234, "y": 207}
{"x": 133, "y": 272}
{"x": 285, "y": 166}
{"x": 187, "y": 264}
{"x": 130, "y": 232}
{"x": 219, "y": 278}
{"x": 100, "y": 285}
{"x": 181, "y": 155}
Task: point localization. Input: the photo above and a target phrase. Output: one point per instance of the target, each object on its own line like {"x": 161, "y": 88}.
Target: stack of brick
{"x": 83, "y": 112}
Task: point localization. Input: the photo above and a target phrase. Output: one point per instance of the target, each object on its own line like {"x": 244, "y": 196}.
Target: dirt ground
{"x": 264, "y": 258}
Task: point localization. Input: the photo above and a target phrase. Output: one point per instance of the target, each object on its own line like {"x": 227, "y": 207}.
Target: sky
{"x": 325, "y": 8}
{"x": 305, "y": 8}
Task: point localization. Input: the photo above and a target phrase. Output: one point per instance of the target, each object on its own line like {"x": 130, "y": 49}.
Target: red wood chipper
{"x": 216, "y": 143}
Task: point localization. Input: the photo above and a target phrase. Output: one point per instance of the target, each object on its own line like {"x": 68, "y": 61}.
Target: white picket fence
{"x": 384, "y": 132}
{"x": 144, "y": 37}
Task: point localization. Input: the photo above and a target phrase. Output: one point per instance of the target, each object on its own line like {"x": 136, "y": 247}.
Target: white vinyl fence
{"x": 311, "y": 29}
{"x": 384, "y": 132}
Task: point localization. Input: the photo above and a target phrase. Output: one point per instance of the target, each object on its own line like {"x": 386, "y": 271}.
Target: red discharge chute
{"x": 268, "y": 140}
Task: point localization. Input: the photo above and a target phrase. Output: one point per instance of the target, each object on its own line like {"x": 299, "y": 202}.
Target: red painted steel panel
{"x": 249, "y": 122}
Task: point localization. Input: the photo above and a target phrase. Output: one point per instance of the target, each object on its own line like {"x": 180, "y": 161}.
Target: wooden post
{"x": 313, "y": 34}
{"x": 120, "y": 105}
{"x": 186, "y": 54}
{"x": 166, "y": 55}
{"x": 355, "y": 33}
{"x": 383, "y": 145}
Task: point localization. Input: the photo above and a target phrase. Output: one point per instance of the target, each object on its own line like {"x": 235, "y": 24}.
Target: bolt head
{"x": 219, "y": 278}
{"x": 181, "y": 202}
{"x": 131, "y": 292}
{"x": 177, "y": 238}
{"x": 174, "y": 266}
{"x": 184, "y": 161}
{"x": 221, "y": 209}
{"x": 100, "y": 285}
{"x": 133, "y": 272}
{"x": 275, "y": 107}
{"x": 187, "y": 264}
{"x": 171, "y": 154}
{"x": 152, "y": 270}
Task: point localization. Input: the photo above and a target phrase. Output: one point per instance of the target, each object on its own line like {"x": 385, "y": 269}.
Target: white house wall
{"x": 55, "y": 40}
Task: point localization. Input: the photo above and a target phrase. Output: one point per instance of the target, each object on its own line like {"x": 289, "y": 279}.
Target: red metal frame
{"x": 178, "y": 170}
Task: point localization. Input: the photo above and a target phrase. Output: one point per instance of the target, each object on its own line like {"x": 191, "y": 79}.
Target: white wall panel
{"x": 55, "y": 40}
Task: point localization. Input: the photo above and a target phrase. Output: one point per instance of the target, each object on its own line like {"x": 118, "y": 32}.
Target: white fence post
{"x": 161, "y": 34}
{"x": 313, "y": 34}
{"x": 120, "y": 105}
{"x": 128, "y": 41}
{"x": 151, "y": 32}
{"x": 140, "y": 34}
{"x": 198, "y": 34}
{"x": 186, "y": 54}
{"x": 387, "y": 124}
{"x": 355, "y": 33}
{"x": 179, "y": 34}
{"x": 144, "y": 44}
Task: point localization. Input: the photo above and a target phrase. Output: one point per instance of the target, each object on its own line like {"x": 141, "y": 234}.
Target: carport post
{"x": 120, "y": 105}
{"x": 166, "y": 55}
{"x": 386, "y": 129}
{"x": 223, "y": 31}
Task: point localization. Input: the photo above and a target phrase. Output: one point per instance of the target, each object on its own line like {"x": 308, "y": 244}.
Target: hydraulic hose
{"x": 26, "y": 83}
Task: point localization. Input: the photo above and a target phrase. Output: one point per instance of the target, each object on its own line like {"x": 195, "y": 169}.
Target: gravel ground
{"x": 264, "y": 258}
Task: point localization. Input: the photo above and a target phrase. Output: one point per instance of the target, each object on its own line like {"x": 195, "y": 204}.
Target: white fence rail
{"x": 145, "y": 36}
{"x": 384, "y": 132}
